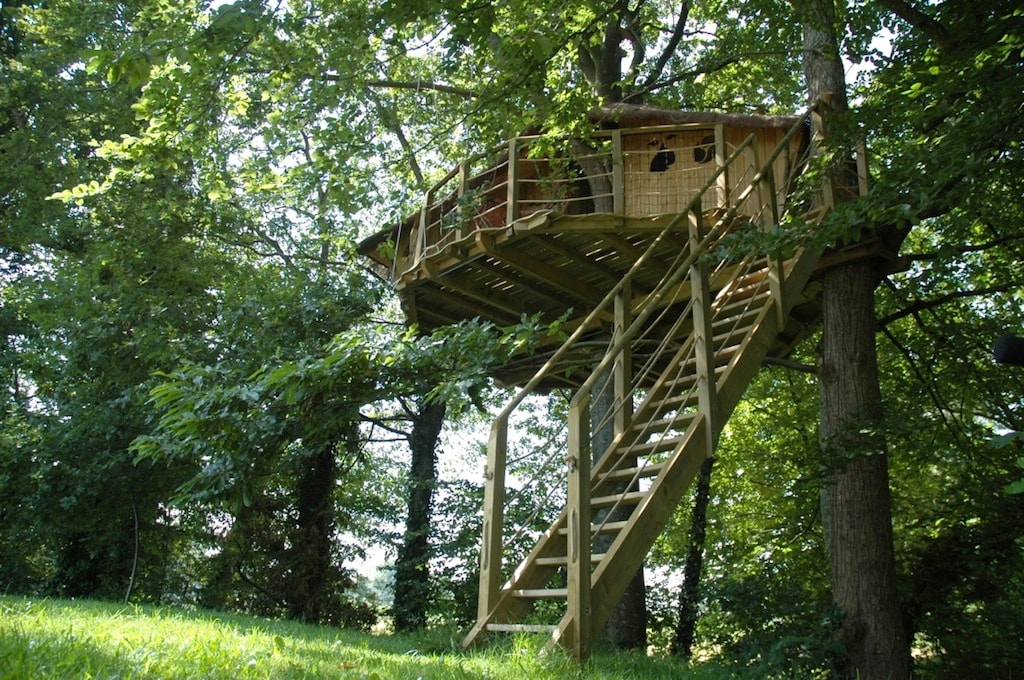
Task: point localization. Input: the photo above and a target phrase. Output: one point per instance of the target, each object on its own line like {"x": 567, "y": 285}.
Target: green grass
{"x": 42, "y": 638}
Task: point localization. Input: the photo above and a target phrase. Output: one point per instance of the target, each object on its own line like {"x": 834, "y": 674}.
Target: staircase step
{"x": 733, "y": 333}
{"x": 675, "y": 420}
{"x": 630, "y": 498}
{"x": 628, "y": 474}
{"x": 739, "y": 318}
{"x": 561, "y": 561}
{"x": 722, "y": 357}
{"x": 676, "y": 400}
{"x": 683, "y": 383}
{"x": 605, "y": 528}
{"x": 746, "y": 283}
{"x": 741, "y": 300}
{"x": 520, "y": 628}
{"x": 541, "y": 593}
{"x": 756, "y": 272}
{"x": 661, "y": 445}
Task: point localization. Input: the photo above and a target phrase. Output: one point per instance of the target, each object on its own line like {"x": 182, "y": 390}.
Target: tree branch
{"x": 790, "y": 364}
{"x": 921, "y": 305}
{"x": 673, "y": 44}
{"x": 963, "y": 250}
{"x": 425, "y": 85}
{"x": 919, "y": 20}
{"x": 383, "y": 424}
{"x": 703, "y": 70}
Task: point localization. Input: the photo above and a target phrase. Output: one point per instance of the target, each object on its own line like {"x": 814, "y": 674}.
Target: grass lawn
{"x": 41, "y": 638}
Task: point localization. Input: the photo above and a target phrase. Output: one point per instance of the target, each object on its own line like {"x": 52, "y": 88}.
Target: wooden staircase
{"x": 712, "y": 320}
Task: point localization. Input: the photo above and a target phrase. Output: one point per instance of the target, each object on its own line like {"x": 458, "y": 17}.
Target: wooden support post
{"x": 769, "y": 212}
{"x": 420, "y": 237}
{"x": 704, "y": 351}
{"x": 722, "y": 183}
{"x": 863, "y": 178}
{"x": 623, "y": 380}
{"x": 494, "y": 518}
{"x": 578, "y": 512}
{"x": 512, "y": 200}
{"x": 463, "y": 178}
{"x": 618, "y": 175}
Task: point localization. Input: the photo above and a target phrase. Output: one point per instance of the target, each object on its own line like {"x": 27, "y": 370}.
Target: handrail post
{"x": 494, "y": 518}
{"x": 461, "y": 191}
{"x": 768, "y": 208}
{"x": 623, "y": 376}
{"x": 704, "y": 350}
{"x": 618, "y": 175}
{"x": 420, "y": 242}
{"x": 578, "y": 513}
{"x": 722, "y": 184}
{"x": 863, "y": 176}
{"x": 512, "y": 190}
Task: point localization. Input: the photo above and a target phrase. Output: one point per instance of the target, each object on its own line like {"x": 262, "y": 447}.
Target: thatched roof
{"x": 632, "y": 115}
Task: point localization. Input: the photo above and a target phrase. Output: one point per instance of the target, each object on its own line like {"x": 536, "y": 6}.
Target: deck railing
{"x": 637, "y": 172}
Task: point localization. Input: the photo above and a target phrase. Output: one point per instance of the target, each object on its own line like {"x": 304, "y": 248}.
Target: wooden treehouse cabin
{"x": 635, "y": 237}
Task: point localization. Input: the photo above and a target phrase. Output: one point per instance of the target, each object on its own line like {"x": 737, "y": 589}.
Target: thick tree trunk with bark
{"x": 412, "y": 574}
{"x": 313, "y": 538}
{"x": 860, "y": 525}
{"x": 856, "y": 507}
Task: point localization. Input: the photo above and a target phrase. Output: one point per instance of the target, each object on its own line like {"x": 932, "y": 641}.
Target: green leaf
{"x": 1015, "y": 487}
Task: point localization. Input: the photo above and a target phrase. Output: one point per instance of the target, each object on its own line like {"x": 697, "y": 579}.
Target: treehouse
{"x": 638, "y": 237}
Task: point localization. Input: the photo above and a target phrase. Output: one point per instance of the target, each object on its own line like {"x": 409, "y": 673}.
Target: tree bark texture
{"x": 689, "y": 594}
{"x": 626, "y": 627}
{"x": 860, "y": 521}
{"x": 312, "y": 540}
{"x": 856, "y": 509}
{"x": 412, "y": 573}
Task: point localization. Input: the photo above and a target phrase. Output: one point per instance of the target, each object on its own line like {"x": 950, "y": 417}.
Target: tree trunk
{"x": 860, "y": 550}
{"x": 412, "y": 574}
{"x": 689, "y": 594}
{"x": 626, "y": 627}
{"x": 856, "y": 505}
{"x": 313, "y": 538}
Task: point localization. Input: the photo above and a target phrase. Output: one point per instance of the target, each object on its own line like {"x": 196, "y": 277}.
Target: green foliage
{"x": 1007, "y": 440}
{"x": 186, "y": 331}
{"x": 764, "y": 594}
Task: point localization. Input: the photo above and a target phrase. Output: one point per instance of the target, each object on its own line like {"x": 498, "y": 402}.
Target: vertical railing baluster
{"x": 623, "y": 379}
{"x": 703, "y": 334}
{"x": 421, "y": 237}
{"x": 494, "y": 518}
{"x": 464, "y": 210}
{"x": 578, "y": 513}
{"x": 512, "y": 199}
{"x": 618, "y": 175}
{"x": 768, "y": 210}
{"x": 722, "y": 184}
